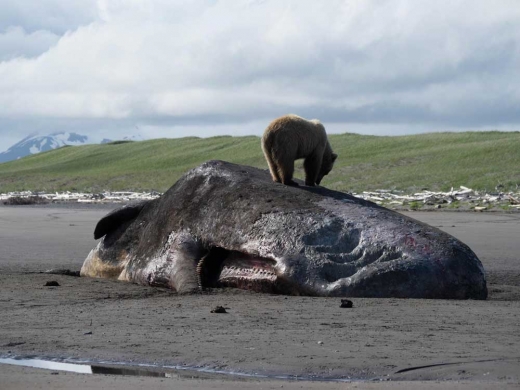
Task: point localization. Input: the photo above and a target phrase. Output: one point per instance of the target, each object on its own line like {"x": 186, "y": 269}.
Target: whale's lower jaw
{"x": 221, "y": 268}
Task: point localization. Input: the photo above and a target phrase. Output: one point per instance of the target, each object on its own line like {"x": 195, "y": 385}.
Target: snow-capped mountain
{"x": 35, "y": 144}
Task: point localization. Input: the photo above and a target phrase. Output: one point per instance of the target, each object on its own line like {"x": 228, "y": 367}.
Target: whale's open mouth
{"x": 225, "y": 268}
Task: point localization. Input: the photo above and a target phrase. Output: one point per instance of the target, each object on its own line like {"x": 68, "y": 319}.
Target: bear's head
{"x": 326, "y": 166}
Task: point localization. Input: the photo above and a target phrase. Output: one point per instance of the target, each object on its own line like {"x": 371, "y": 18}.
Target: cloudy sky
{"x": 172, "y": 68}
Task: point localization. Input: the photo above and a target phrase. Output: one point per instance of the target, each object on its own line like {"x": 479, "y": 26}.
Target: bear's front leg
{"x": 312, "y": 165}
{"x": 291, "y": 183}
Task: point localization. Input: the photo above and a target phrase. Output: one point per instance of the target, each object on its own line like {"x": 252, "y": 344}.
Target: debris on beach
{"x": 61, "y": 271}
{"x": 346, "y": 303}
{"x": 219, "y": 309}
{"x": 25, "y": 200}
{"x": 14, "y": 344}
{"x": 28, "y": 197}
{"x": 462, "y": 197}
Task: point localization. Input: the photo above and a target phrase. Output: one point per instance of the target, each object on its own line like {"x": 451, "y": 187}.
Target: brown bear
{"x": 290, "y": 138}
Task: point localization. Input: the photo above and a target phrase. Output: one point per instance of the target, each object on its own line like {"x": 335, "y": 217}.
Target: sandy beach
{"x": 377, "y": 344}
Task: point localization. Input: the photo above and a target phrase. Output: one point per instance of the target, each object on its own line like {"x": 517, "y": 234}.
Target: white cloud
{"x": 15, "y": 42}
{"x": 57, "y": 16}
{"x": 182, "y": 65}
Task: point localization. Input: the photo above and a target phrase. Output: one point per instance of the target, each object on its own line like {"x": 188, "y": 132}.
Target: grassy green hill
{"x": 436, "y": 161}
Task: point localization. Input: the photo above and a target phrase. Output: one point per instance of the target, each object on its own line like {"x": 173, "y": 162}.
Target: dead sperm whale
{"x": 227, "y": 225}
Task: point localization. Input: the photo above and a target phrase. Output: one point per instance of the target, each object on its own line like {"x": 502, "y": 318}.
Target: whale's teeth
{"x": 199, "y": 272}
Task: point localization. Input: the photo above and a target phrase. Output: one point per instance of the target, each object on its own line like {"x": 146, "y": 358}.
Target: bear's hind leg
{"x": 286, "y": 171}
{"x": 273, "y": 168}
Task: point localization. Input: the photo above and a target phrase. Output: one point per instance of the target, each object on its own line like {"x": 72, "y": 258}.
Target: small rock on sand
{"x": 219, "y": 309}
{"x": 346, "y": 303}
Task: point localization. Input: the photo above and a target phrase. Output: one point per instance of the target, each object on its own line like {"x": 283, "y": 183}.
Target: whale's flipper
{"x": 117, "y": 217}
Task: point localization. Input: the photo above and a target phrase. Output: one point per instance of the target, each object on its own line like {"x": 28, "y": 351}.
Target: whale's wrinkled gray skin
{"x": 227, "y": 225}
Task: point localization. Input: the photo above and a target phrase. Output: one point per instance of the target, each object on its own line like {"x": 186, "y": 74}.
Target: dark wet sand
{"x": 264, "y": 334}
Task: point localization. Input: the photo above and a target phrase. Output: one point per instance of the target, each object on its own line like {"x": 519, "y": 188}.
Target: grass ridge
{"x": 437, "y": 161}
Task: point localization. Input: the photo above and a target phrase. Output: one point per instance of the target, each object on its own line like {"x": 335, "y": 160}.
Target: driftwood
{"x": 83, "y": 197}
{"x": 464, "y": 196}
{"x": 25, "y": 200}
{"x": 513, "y": 200}
{"x": 477, "y": 200}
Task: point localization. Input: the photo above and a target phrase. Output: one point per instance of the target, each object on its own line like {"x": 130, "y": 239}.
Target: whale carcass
{"x": 227, "y": 225}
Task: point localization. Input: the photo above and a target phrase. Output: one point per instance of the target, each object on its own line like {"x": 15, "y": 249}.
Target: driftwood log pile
{"x": 463, "y": 197}
{"x": 82, "y": 197}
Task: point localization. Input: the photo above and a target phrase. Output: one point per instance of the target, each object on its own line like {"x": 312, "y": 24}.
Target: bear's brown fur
{"x": 290, "y": 138}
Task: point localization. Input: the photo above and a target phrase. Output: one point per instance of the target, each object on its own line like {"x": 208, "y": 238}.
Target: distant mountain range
{"x": 35, "y": 144}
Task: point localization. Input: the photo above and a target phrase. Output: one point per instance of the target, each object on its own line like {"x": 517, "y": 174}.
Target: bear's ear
{"x": 334, "y": 157}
